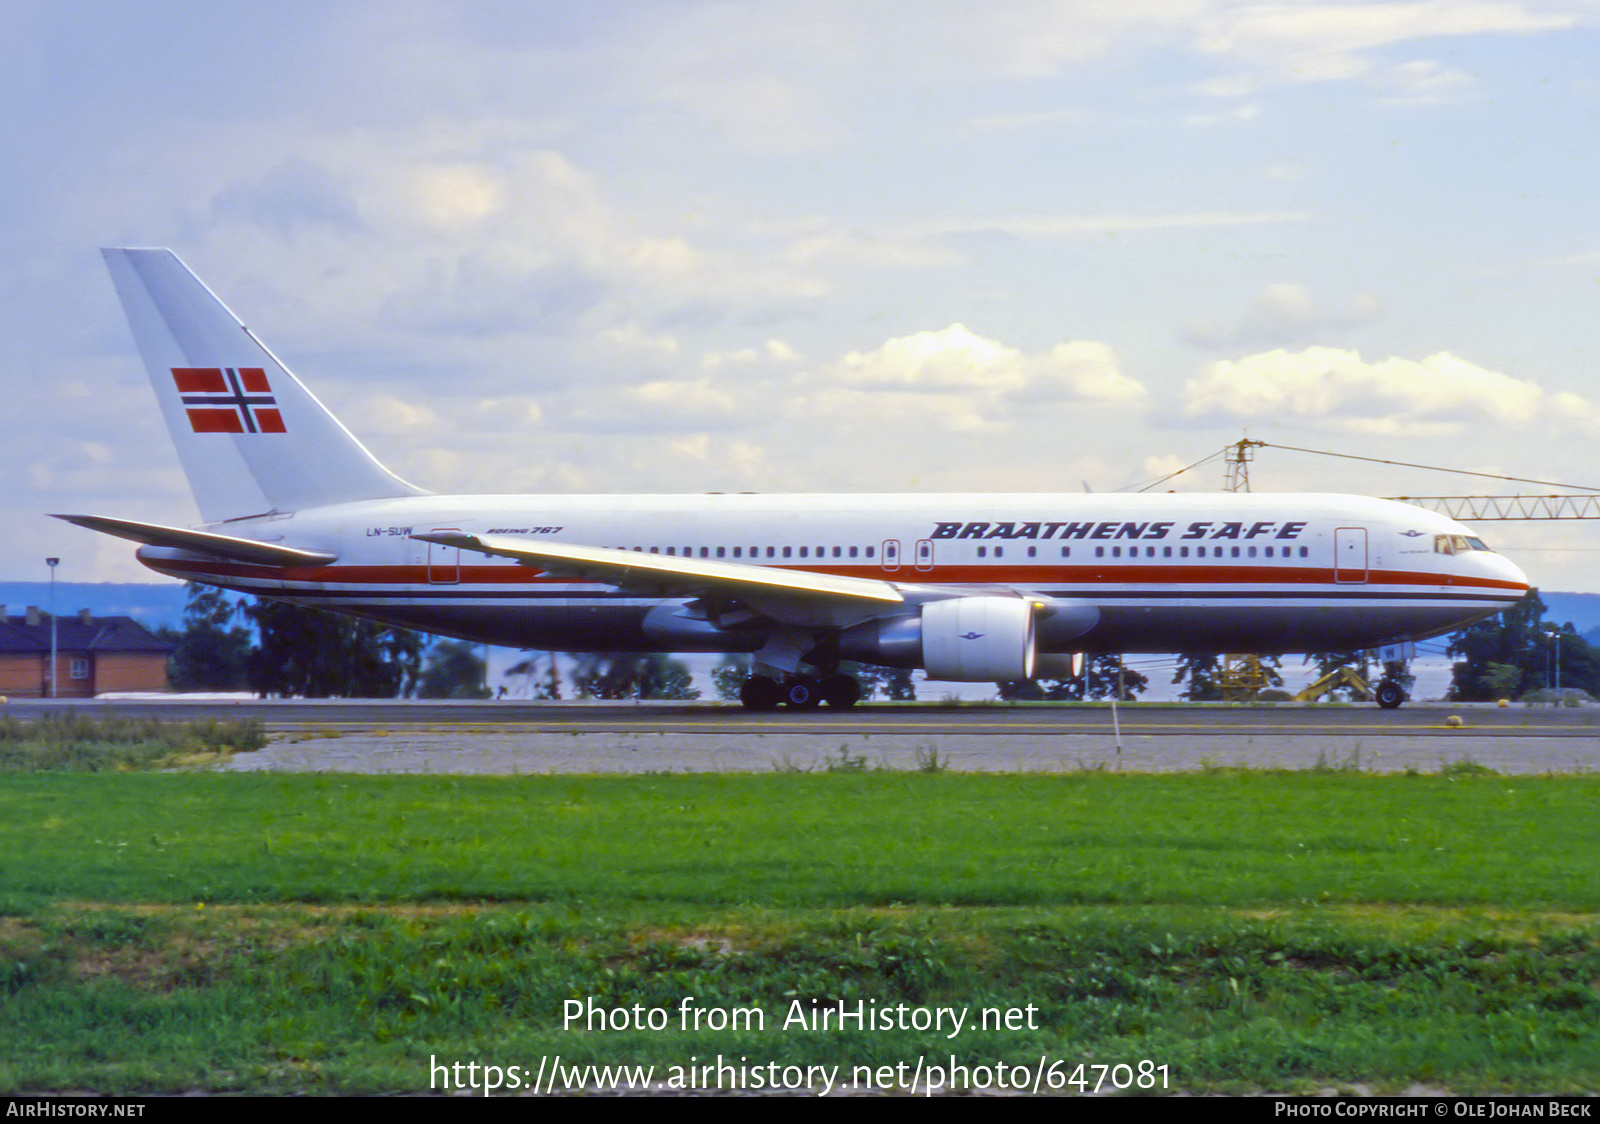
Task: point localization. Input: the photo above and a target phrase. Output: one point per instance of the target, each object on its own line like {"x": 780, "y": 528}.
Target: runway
{"x": 517, "y": 736}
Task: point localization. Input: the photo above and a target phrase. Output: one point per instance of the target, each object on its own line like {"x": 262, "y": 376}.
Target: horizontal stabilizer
{"x": 673, "y": 573}
{"x": 223, "y": 546}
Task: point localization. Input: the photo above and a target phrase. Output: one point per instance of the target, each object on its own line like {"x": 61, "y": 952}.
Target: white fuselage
{"x": 1166, "y": 572}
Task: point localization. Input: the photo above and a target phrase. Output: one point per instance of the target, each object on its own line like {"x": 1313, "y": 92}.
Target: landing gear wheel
{"x": 839, "y": 691}
{"x": 802, "y": 694}
{"x": 760, "y": 693}
{"x": 1389, "y": 695}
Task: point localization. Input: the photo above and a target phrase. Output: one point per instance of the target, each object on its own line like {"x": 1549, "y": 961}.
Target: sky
{"x": 821, "y": 247}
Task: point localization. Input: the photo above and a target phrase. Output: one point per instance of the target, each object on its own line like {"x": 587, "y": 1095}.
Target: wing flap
{"x": 672, "y": 573}
{"x": 223, "y": 546}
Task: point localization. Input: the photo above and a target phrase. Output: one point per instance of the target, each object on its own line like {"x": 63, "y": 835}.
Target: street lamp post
{"x": 52, "y": 563}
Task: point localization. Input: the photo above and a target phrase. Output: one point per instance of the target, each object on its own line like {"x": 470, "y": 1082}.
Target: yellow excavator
{"x": 1387, "y": 695}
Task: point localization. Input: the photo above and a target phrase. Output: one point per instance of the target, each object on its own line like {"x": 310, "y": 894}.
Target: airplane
{"x": 968, "y": 588}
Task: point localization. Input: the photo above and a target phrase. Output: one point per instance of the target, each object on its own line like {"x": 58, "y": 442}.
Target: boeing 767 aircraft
{"x": 972, "y": 588}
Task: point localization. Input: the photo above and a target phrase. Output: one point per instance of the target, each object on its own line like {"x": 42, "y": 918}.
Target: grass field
{"x": 1223, "y": 930}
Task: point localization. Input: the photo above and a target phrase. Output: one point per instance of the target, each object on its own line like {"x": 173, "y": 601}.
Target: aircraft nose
{"x": 1508, "y": 571}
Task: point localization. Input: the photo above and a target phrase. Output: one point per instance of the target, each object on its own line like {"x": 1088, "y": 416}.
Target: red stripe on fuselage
{"x": 1178, "y": 577}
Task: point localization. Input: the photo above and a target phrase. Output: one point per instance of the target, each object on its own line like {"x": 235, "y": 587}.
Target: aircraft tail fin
{"x": 252, "y": 439}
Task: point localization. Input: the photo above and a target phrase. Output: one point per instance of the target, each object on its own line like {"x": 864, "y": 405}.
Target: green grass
{"x": 1286, "y": 931}
{"x": 835, "y": 839}
{"x": 75, "y": 742}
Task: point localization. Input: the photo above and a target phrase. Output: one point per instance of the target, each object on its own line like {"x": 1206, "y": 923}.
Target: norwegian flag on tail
{"x": 228, "y": 399}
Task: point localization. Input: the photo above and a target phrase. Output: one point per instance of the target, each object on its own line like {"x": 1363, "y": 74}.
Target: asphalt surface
{"x": 517, "y": 736}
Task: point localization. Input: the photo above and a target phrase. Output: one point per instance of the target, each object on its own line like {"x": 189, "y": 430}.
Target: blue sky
{"x": 1014, "y": 246}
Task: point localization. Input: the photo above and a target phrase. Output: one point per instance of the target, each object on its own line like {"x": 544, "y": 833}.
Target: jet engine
{"x": 962, "y": 639}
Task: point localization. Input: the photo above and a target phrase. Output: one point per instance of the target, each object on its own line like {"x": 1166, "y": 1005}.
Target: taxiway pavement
{"x": 509, "y": 737}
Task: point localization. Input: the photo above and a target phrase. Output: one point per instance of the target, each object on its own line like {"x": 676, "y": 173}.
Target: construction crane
{"x": 1480, "y": 509}
{"x": 1475, "y": 508}
{"x": 1244, "y": 675}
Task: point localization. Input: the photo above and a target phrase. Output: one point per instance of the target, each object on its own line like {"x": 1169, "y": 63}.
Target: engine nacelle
{"x": 961, "y": 639}
{"x": 978, "y": 639}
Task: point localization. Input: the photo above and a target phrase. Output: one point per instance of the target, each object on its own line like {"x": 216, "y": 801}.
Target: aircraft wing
{"x": 222, "y": 546}
{"x": 673, "y": 575}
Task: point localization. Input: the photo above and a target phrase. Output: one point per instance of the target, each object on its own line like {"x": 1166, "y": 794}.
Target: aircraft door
{"x": 891, "y": 554}
{"x": 1350, "y": 554}
{"x": 924, "y": 554}
{"x": 444, "y": 562}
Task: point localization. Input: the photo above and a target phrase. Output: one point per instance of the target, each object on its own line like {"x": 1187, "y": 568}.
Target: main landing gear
{"x": 759, "y": 692}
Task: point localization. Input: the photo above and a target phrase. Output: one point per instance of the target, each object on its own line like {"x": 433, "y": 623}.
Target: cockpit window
{"x": 1457, "y": 544}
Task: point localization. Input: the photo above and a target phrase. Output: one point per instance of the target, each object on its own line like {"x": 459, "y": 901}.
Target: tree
{"x": 1520, "y": 651}
{"x": 316, "y": 654}
{"x": 1575, "y": 662}
{"x": 1204, "y": 672}
{"x": 210, "y": 655}
{"x": 729, "y": 675}
{"x": 1513, "y": 639}
{"x": 631, "y": 675}
{"x": 1101, "y": 674}
{"x": 454, "y": 671}
{"x": 894, "y": 683}
{"x": 548, "y": 687}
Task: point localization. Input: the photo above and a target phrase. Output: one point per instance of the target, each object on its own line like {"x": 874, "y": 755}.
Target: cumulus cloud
{"x": 444, "y": 235}
{"x": 1337, "y": 389}
{"x": 1283, "y": 315}
{"x": 957, "y": 359}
